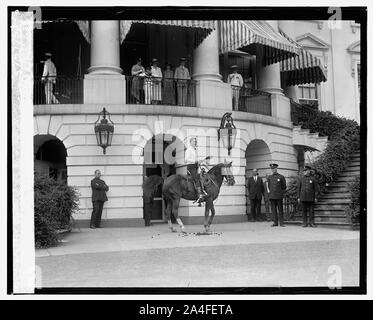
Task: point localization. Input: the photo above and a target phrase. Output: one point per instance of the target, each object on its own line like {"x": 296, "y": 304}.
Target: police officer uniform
{"x": 277, "y": 188}
{"x": 308, "y": 190}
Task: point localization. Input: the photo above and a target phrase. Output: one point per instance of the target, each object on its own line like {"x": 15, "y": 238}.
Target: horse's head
{"x": 226, "y": 172}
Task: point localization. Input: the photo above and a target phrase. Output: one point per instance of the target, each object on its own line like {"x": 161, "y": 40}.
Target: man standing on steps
{"x": 99, "y": 189}
{"x": 255, "y": 187}
{"x": 277, "y": 188}
{"x": 307, "y": 191}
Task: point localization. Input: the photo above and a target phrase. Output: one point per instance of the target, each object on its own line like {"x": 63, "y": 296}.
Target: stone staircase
{"x": 331, "y": 206}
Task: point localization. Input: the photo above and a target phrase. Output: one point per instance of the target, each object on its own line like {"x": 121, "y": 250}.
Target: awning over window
{"x": 304, "y": 68}
{"x": 202, "y": 27}
{"x": 244, "y": 34}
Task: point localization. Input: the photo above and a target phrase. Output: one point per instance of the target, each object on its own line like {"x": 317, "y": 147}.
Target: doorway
{"x": 156, "y": 163}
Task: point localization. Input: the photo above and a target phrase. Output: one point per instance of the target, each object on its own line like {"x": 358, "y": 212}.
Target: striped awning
{"x": 202, "y": 27}
{"x": 304, "y": 68}
{"x": 244, "y": 34}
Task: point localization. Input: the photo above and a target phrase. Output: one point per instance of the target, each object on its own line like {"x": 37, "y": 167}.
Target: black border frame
{"x": 358, "y": 14}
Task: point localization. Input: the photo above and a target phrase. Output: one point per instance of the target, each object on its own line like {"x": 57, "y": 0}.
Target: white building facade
{"x": 265, "y": 130}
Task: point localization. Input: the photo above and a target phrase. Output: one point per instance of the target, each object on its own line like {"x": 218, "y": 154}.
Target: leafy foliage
{"x": 344, "y": 140}
{"x": 54, "y": 204}
{"x": 354, "y": 207}
{"x": 325, "y": 123}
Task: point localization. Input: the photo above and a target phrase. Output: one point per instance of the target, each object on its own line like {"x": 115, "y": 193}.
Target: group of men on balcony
{"x": 158, "y": 87}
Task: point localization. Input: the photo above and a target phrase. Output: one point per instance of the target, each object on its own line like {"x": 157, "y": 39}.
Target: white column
{"x": 288, "y": 26}
{"x": 206, "y": 59}
{"x": 105, "y": 83}
{"x": 268, "y": 77}
{"x": 105, "y": 47}
{"x": 211, "y": 91}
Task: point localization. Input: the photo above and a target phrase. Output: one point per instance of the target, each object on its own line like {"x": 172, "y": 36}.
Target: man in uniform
{"x": 277, "y": 187}
{"x": 182, "y": 76}
{"x": 266, "y": 199}
{"x": 255, "y": 188}
{"x": 236, "y": 82}
{"x": 49, "y": 79}
{"x": 308, "y": 190}
{"x": 99, "y": 189}
{"x": 192, "y": 161}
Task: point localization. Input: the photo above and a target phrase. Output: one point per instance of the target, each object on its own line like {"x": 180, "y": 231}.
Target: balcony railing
{"x": 301, "y": 111}
{"x": 150, "y": 90}
{"x": 251, "y": 100}
{"x": 61, "y": 89}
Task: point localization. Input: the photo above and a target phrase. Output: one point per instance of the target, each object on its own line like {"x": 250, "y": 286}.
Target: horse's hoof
{"x": 173, "y": 230}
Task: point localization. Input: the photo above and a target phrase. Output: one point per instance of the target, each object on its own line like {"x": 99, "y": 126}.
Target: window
{"x": 308, "y": 94}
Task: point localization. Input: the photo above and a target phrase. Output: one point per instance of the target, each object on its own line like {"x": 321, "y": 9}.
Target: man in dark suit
{"x": 256, "y": 189}
{"x": 277, "y": 188}
{"x": 99, "y": 189}
{"x": 308, "y": 190}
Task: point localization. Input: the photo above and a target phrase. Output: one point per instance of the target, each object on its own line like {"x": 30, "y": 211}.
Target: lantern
{"x": 104, "y": 130}
{"x": 227, "y": 132}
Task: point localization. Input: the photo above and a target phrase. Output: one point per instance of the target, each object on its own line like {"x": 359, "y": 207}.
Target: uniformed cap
{"x": 48, "y": 54}
{"x": 307, "y": 167}
{"x": 155, "y": 60}
{"x": 234, "y": 66}
{"x": 273, "y": 165}
{"x": 182, "y": 59}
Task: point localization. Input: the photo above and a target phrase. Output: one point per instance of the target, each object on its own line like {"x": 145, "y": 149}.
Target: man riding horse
{"x": 193, "y": 162}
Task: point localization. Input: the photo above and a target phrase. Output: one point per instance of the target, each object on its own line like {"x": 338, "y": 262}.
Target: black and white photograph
{"x": 195, "y": 150}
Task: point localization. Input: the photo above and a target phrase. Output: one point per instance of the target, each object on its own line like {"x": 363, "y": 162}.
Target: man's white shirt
{"x": 191, "y": 155}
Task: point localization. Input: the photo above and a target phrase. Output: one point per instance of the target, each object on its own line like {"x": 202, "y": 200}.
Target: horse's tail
{"x": 150, "y": 185}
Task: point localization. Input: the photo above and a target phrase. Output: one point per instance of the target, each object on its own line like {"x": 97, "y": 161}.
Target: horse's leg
{"x": 212, "y": 209}
{"x": 207, "y": 209}
{"x": 168, "y": 214}
{"x": 175, "y": 209}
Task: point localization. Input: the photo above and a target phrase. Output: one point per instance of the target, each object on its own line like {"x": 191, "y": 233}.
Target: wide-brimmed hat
{"x": 182, "y": 59}
{"x": 48, "y": 54}
{"x": 155, "y": 60}
{"x": 234, "y": 66}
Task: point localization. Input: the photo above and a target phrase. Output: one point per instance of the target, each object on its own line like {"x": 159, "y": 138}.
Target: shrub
{"x": 326, "y": 123}
{"x": 353, "y": 211}
{"x": 54, "y": 204}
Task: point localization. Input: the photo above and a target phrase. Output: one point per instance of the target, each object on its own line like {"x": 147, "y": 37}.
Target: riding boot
{"x": 200, "y": 194}
{"x": 202, "y": 188}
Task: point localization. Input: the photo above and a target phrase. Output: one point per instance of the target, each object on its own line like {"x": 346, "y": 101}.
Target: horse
{"x": 179, "y": 186}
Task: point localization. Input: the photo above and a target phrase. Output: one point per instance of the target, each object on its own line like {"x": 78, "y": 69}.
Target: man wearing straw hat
{"x": 49, "y": 79}
{"x": 236, "y": 82}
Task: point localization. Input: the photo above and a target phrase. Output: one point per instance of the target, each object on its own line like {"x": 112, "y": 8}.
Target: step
{"x": 338, "y": 189}
{"x": 354, "y": 164}
{"x": 326, "y": 223}
{"x": 349, "y": 174}
{"x": 335, "y": 195}
{"x": 341, "y": 184}
{"x": 346, "y": 178}
{"x": 330, "y": 211}
{"x": 331, "y": 207}
{"x": 333, "y": 201}
{"x": 352, "y": 168}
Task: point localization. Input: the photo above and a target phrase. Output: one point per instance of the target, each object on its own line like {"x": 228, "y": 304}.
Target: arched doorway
{"x": 258, "y": 156}
{"x": 161, "y": 155}
{"x": 50, "y": 157}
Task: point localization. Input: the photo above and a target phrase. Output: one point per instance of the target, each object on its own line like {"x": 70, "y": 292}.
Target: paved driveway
{"x": 233, "y": 255}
